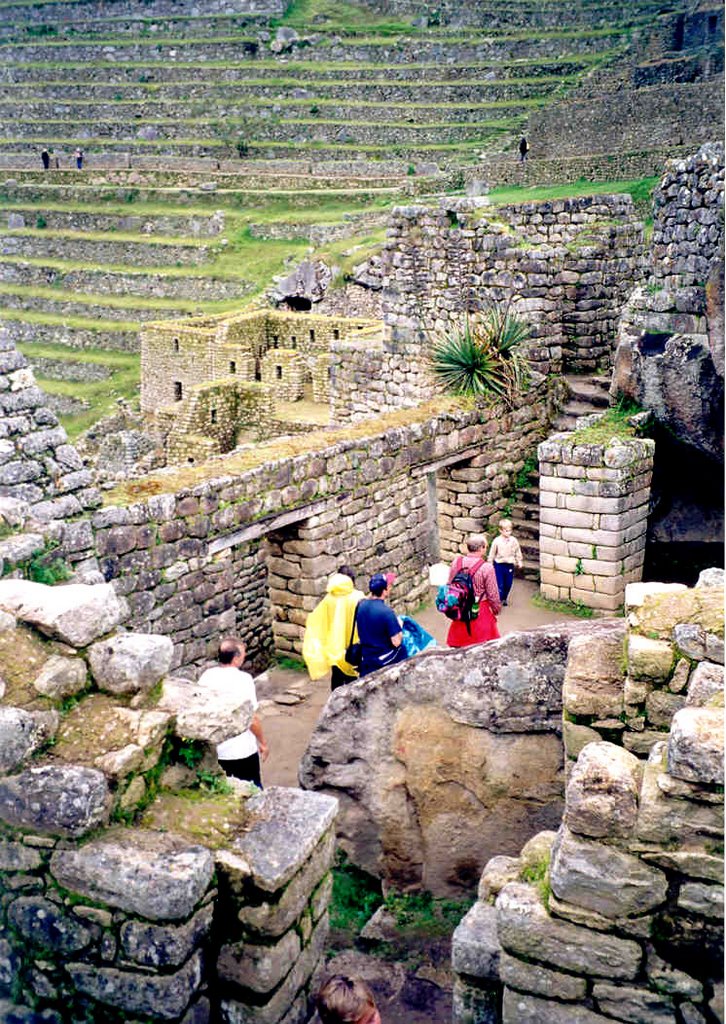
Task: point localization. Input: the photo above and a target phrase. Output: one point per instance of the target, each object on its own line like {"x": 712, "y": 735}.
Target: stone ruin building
{"x": 211, "y": 383}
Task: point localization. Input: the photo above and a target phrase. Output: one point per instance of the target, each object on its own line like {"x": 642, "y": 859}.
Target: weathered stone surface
{"x": 21, "y": 734}
{"x": 690, "y": 639}
{"x": 474, "y": 1005}
{"x": 163, "y": 946}
{"x": 540, "y": 980}
{"x": 130, "y": 662}
{"x": 695, "y": 863}
{"x": 602, "y": 793}
{"x": 661, "y": 706}
{"x": 526, "y": 930}
{"x": 285, "y": 827}
{"x": 649, "y": 659}
{"x": 75, "y": 613}
{"x": 497, "y": 872}
{"x": 575, "y": 737}
{"x": 163, "y": 996}
{"x": 666, "y": 819}
{"x": 518, "y": 1008}
{"x": 537, "y": 850}
{"x": 430, "y": 764}
{"x": 46, "y": 927}
{"x": 18, "y": 857}
{"x": 475, "y": 947}
{"x": 702, "y": 899}
{"x": 61, "y": 677}
{"x": 696, "y": 745}
{"x": 258, "y": 967}
{"x": 625, "y": 1002}
{"x": 603, "y": 878}
{"x": 204, "y": 714}
{"x": 55, "y": 799}
{"x": 594, "y": 676}
{"x": 706, "y": 681}
{"x": 157, "y": 876}
{"x": 665, "y": 978}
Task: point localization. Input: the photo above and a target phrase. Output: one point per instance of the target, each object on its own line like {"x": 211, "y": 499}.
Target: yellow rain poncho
{"x": 327, "y": 630}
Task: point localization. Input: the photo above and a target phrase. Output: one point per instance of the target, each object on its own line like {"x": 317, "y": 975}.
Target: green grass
{"x": 615, "y": 422}
{"x": 575, "y": 608}
{"x": 102, "y": 395}
{"x": 356, "y": 896}
{"x": 641, "y": 189}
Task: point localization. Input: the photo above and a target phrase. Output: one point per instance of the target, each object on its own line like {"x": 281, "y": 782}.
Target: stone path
{"x": 290, "y": 703}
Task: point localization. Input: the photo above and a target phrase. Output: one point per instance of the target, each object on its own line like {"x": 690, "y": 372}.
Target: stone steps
{"x": 588, "y": 394}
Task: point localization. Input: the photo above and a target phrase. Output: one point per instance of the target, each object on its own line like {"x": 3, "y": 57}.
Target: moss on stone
{"x": 210, "y": 818}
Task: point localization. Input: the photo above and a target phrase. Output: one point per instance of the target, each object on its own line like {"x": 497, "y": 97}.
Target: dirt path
{"x": 290, "y": 704}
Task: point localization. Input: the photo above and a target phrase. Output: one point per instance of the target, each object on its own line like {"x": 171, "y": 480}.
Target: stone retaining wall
{"x": 619, "y": 915}
{"x": 594, "y": 502}
{"x": 67, "y": 220}
{"x": 565, "y": 266}
{"x": 73, "y": 337}
{"x": 138, "y": 882}
{"x": 140, "y": 254}
{"x": 593, "y": 167}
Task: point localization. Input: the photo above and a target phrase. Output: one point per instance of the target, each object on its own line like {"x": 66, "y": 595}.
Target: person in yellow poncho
{"x": 328, "y": 630}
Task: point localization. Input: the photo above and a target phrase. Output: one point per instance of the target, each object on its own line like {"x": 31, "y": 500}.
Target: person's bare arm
{"x": 396, "y": 640}
{"x": 491, "y": 591}
{"x": 256, "y": 730}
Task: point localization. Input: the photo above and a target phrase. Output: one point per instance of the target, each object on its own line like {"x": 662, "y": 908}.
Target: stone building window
{"x": 293, "y": 342}
{"x": 336, "y": 334}
{"x": 233, "y": 367}
{"x": 712, "y": 23}
{"x": 175, "y": 344}
{"x": 177, "y": 391}
{"x": 312, "y": 335}
{"x": 275, "y": 341}
{"x": 213, "y": 415}
{"x": 258, "y": 371}
{"x": 278, "y": 372}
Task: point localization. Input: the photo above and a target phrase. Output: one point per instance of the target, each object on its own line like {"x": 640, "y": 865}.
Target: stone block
{"x": 666, "y": 819}
{"x": 575, "y": 737}
{"x": 155, "y": 875}
{"x": 47, "y": 928}
{"x": 642, "y": 742}
{"x": 660, "y": 707}
{"x": 706, "y": 900}
{"x": 602, "y": 792}
{"x": 258, "y": 967}
{"x": 707, "y": 680}
{"x": 518, "y": 1008}
{"x": 498, "y": 871}
{"x": 162, "y": 996}
{"x": 594, "y": 676}
{"x": 679, "y": 679}
{"x": 604, "y": 879}
{"x": 164, "y": 946}
{"x": 473, "y": 1004}
{"x": 61, "y": 677}
{"x": 22, "y": 733}
{"x": 130, "y": 662}
{"x": 209, "y": 714}
{"x": 696, "y": 745}
{"x": 535, "y": 978}
{"x": 75, "y": 613}
{"x": 57, "y": 800}
{"x": 526, "y": 930}
{"x": 475, "y": 947}
{"x": 649, "y": 659}
{"x": 18, "y": 857}
{"x": 639, "y": 1005}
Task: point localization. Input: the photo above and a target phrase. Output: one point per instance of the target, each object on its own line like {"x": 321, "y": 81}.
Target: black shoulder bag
{"x": 354, "y": 652}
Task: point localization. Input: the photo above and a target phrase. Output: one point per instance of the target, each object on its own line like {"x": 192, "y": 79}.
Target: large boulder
{"x": 451, "y": 758}
{"x": 130, "y": 662}
{"x": 56, "y": 799}
{"x": 77, "y": 614}
{"x": 204, "y": 713}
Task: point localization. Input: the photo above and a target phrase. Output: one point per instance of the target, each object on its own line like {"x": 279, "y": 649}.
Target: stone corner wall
{"x": 138, "y": 883}
{"x": 593, "y": 517}
{"x": 619, "y": 914}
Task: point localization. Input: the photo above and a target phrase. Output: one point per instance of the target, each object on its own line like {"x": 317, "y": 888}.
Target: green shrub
{"x": 40, "y": 221}
{"x": 482, "y": 357}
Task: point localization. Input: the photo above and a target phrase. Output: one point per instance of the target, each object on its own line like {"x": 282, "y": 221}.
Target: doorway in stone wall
{"x": 455, "y": 492}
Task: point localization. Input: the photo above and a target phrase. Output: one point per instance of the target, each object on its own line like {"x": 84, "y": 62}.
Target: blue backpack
{"x": 457, "y": 600}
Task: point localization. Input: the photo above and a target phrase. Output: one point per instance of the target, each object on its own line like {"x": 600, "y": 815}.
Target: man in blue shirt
{"x": 379, "y": 629}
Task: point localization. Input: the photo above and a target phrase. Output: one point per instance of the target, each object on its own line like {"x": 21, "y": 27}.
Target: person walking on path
{"x": 523, "y": 150}
{"x": 345, "y": 999}
{"x": 79, "y": 159}
{"x": 45, "y": 159}
{"x": 505, "y": 554}
{"x": 379, "y": 629}
{"x": 240, "y": 755}
{"x": 328, "y": 630}
{"x": 487, "y": 604}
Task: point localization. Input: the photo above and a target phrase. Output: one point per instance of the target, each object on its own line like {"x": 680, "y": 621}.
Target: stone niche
{"x": 444, "y": 761}
{"x": 619, "y": 914}
{"x": 139, "y": 883}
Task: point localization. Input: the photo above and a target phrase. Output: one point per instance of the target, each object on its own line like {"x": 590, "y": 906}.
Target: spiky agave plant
{"x": 481, "y": 357}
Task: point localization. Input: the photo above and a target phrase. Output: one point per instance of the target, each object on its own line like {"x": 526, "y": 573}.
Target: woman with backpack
{"x": 471, "y": 597}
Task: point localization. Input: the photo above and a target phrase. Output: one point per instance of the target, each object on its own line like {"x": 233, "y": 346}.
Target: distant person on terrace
{"x": 523, "y": 150}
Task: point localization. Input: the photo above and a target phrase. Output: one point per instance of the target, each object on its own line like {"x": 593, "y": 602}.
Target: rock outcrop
{"x": 446, "y": 760}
